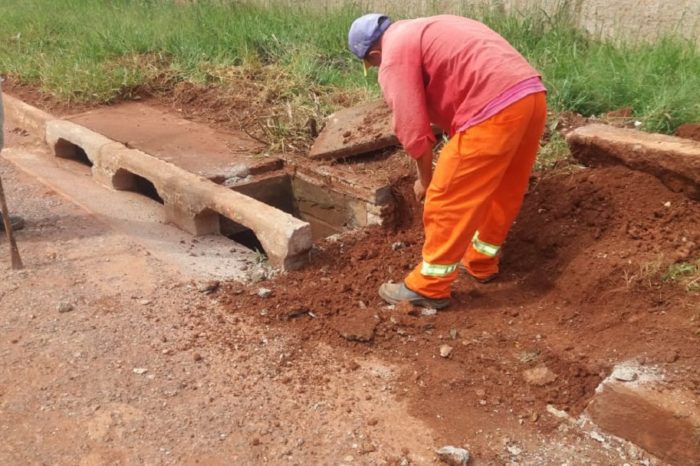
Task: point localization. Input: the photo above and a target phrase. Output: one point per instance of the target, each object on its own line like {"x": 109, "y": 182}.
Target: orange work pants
{"x": 475, "y": 194}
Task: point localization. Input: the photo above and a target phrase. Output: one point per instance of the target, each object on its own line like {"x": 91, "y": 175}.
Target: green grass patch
{"x": 102, "y": 51}
{"x": 686, "y": 274}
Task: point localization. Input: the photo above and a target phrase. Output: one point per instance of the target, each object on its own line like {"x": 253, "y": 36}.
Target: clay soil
{"x": 581, "y": 290}
{"x": 689, "y": 131}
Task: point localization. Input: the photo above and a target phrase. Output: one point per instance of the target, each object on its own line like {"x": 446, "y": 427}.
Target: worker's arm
{"x": 404, "y": 91}
{"x": 425, "y": 174}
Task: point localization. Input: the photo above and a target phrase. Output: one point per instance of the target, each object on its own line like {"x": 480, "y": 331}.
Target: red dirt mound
{"x": 689, "y": 131}
{"x": 579, "y": 291}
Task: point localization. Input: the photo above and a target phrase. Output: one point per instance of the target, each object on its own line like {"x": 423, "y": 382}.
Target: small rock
{"x": 398, "y": 245}
{"x": 445, "y": 351}
{"x": 360, "y": 331}
{"x": 539, "y": 376}
{"x": 597, "y": 437}
{"x": 453, "y": 456}
{"x": 558, "y": 413}
{"x": 65, "y": 307}
{"x": 264, "y": 292}
{"x": 453, "y": 333}
{"x": 428, "y": 312}
{"x": 197, "y": 357}
{"x": 145, "y": 302}
{"x": 208, "y": 287}
{"x": 405, "y": 307}
{"x": 258, "y": 275}
{"x": 624, "y": 374}
{"x": 514, "y": 450}
{"x": 140, "y": 370}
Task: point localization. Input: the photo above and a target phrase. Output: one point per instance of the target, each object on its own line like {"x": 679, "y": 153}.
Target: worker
{"x": 468, "y": 80}
{"x": 17, "y": 223}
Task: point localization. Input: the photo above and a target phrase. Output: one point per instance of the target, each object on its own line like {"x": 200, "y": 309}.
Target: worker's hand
{"x": 419, "y": 190}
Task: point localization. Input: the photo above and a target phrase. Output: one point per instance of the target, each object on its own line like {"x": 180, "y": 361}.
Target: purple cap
{"x": 365, "y": 31}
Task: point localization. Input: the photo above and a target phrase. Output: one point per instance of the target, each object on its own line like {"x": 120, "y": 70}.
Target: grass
{"x": 99, "y": 51}
{"x": 686, "y": 274}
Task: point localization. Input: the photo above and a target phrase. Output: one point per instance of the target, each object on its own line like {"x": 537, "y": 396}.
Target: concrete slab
{"x": 356, "y": 130}
{"x": 675, "y": 161}
{"x": 191, "y": 146}
{"x": 637, "y": 406}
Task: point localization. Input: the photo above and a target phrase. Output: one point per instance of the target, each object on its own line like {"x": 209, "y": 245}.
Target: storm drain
{"x": 124, "y": 180}
{"x": 277, "y": 212}
{"x": 328, "y": 212}
{"x": 67, "y": 150}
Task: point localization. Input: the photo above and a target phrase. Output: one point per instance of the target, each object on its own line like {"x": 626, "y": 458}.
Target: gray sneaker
{"x": 16, "y": 222}
{"x": 394, "y": 293}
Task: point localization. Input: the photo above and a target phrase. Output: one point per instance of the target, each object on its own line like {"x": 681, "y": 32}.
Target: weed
{"x": 687, "y": 274}
{"x": 260, "y": 257}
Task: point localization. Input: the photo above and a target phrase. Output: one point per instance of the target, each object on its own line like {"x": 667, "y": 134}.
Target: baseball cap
{"x": 365, "y": 31}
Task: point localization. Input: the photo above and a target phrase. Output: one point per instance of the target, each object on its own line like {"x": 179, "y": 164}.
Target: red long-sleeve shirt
{"x": 445, "y": 70}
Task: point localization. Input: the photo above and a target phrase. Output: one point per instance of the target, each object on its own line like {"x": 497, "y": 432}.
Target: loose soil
{"x": 580, "y": 290}
{"x": 689, "y": 131}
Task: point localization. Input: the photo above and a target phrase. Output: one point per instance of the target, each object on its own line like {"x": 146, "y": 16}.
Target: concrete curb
{"x": 675, "y": 161}
{"x": 665, "y": 423}
{"x": 32, "y": 118}
{"x": 191, "y": 202}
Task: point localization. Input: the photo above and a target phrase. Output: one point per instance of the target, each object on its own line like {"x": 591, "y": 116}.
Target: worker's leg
{"x": 469, "y": 170}
{"x": 482, "y": 257}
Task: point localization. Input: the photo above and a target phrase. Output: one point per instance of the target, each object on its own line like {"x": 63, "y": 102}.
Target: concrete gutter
{"x": 675, "y": 161}
{"x": 191, "y": 202}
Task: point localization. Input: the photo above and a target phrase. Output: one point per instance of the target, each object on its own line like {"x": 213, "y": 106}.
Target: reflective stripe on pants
{"x": 479, "y": 184}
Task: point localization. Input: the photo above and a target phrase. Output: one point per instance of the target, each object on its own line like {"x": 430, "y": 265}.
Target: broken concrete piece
{"x": 453, "y": 456}
{"x": 675, "y": 161}
{"x": 356, "y": 130}
{"x": 662, "y": 421}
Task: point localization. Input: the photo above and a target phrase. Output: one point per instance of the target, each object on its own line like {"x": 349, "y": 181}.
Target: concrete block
{"x": 675, "y": 161}
{"x": 191, "y": 201}
{"x": 63, "y": 137}
{"x": 205, "y": 222}
{"x": 30, "y": 118}
{"x": 665, "y": 422}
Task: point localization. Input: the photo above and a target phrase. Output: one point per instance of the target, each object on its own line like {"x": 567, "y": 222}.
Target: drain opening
{"x": 67, "y": 150}
{"x": 327, "y": 211}
{"x": 124, "y": 180}
{"x": 241, "y": 235}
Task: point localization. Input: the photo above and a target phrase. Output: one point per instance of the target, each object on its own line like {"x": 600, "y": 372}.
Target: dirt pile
{"x": 579, "y": 291}
{"x": 689, "y": 131}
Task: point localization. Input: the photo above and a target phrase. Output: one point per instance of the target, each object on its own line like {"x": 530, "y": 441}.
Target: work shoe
{"x": 483, "y": 280}
{"x": 16, "y": 222}
{"x": 394, "y": 293}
